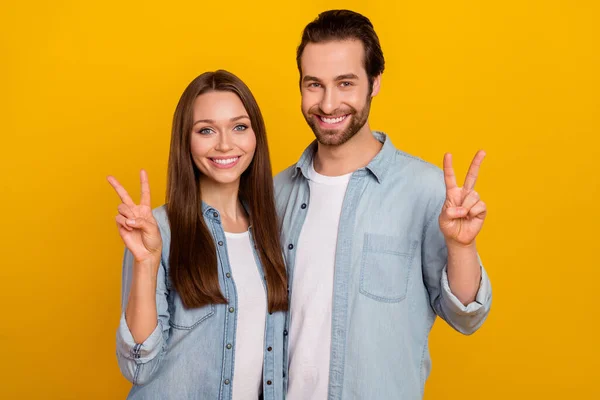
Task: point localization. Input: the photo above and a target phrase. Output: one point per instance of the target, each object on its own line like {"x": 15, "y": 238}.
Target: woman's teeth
{"x": 225, "y": 161}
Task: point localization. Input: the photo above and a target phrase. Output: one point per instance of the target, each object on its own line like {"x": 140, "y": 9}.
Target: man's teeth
{"x": 225, "y": 161}
{"x": 333, "y": 120}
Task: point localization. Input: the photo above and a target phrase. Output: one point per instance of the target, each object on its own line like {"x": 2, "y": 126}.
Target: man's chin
{"x": 332, "y": 137}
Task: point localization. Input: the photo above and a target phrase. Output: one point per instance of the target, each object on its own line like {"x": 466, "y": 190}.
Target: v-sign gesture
{"x": 136, "y": 224}
{"x": 463, "y": 212}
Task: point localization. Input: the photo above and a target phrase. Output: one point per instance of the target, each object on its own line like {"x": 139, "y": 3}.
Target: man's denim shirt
{"x": 191, "y": 353}
{"x": 390, "y": 273}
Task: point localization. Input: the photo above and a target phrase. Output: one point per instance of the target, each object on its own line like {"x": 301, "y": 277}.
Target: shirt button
{"x": 228, "y": 346}
{"x": 269, "y": 382}
{"x": 231, "y": 309}
{"x": 228, "y": 275}
{"x": 216, "y": 215}
{"x": 226, "y": 381}
{"x": 290, "y": 246}
{"x": 285, "y": 333}
{"x": 220, "y": 243}
{"x": 269, "y": 348}
{"x": 303, "y": 206}
{"x": 284, "y": 374}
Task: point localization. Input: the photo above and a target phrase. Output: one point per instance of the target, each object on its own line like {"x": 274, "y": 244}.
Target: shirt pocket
{"x": 385, "y": 267}
{"x": 187, "y": 318}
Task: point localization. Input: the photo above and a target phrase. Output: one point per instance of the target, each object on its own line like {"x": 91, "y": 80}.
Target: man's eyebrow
{"x": 309, "y": 78}
{"x": 346, "y": 77}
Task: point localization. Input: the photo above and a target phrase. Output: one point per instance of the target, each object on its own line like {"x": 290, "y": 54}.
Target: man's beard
{"x": 336, "y": 137}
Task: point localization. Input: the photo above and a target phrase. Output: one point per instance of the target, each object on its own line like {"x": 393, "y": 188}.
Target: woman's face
{"x": 223, "y": 142}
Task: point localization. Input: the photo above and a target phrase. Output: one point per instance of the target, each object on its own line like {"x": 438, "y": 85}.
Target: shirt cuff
{"x": 478, "y": 305}
{"x": 141, "y": 353}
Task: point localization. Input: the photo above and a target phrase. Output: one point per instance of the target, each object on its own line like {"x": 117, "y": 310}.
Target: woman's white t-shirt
{"x": 251, "y": 315}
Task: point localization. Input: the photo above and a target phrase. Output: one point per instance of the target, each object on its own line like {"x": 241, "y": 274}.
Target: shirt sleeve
{"x": 466, "y": 319}
{"x": 139, "y": 361}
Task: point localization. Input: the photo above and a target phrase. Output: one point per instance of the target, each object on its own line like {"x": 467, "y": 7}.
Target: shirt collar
{"x": 378, "y": 166}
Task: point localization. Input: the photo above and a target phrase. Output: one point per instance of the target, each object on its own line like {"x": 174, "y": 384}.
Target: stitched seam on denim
{"x": 220, "y": 265}
{"x": 370, "y": 295}
{"x": 187, "y": 328}
{"x": 269, "y": 357}
{"x": 410, "y": 156}
{"x": 434, "y": 214}
{"x": 382, "y": 299}
{"x": 425, "y": 346}
{"x": 127, "y": 354}
{"x": 138, "y": 367}
{"x": 136, "y": 351}
{"x": 410, "y": 256}
{"x": 291, "y": 263}
{"x": 422, "y": 380}
{"x": 268, "y": 324}
{"x": 351, "y": 197}
{"x": 441, "y": 308}
{"x": 392, "y": 252}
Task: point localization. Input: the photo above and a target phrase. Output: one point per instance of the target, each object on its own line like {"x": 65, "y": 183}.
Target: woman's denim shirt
{"x": 191, "y": 353}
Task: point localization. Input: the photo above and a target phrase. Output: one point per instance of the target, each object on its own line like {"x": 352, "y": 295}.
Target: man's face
{"x": 336, "y": 97}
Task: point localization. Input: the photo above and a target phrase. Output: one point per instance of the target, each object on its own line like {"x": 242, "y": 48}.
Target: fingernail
{"x": 131, "y": 221}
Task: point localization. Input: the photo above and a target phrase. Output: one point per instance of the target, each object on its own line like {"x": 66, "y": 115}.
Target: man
{"x": 377, "y": 242}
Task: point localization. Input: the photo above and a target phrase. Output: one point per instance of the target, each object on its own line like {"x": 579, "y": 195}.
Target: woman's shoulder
{"x": 160, "y": 215}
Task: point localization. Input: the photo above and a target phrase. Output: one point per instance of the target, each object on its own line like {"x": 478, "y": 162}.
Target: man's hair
{"x": 334, "y": 25}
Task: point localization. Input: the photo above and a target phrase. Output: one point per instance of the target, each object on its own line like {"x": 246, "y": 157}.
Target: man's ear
{"x": 376, "y": 85}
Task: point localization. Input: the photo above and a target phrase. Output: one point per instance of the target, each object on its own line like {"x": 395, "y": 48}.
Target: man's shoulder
{"x": 284, "y": 177}
{"x": 417, "y": 167}
{"x": 421, "y": 175}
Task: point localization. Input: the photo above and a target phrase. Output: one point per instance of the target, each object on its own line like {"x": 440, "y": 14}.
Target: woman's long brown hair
{"x": 193, "y": 256}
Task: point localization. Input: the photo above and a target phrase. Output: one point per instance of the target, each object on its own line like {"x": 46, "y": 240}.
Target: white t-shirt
{"x": 312, "y": 289}
{"x": 251, "y": 314}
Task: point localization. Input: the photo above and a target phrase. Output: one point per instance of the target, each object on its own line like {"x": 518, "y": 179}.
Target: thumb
{"x": 142, "y": 224}
{"x": 456, "y": 212}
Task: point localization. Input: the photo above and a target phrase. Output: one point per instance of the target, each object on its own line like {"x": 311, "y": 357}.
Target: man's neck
{"x": 346, "y": 158}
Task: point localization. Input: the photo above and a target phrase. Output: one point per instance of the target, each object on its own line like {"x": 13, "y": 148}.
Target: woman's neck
{"x": 225, "y": 198}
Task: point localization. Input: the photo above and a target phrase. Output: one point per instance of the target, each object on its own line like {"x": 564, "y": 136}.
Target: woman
{"x": 204, "y": 284}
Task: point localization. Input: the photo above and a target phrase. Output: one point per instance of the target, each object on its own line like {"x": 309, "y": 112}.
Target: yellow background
{"x": 89, "y": 90}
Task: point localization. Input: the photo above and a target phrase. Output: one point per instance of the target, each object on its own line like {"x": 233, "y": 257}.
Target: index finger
{"x": 449, "y": 177}
{"x": 120, "y": 191}
{"x": 471, "y": 177}
{"x": 145, "y": 199}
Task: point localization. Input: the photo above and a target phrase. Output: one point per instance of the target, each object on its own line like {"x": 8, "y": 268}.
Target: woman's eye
{"x": 205, "y": 131}
{"x": 240, "y": 128}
